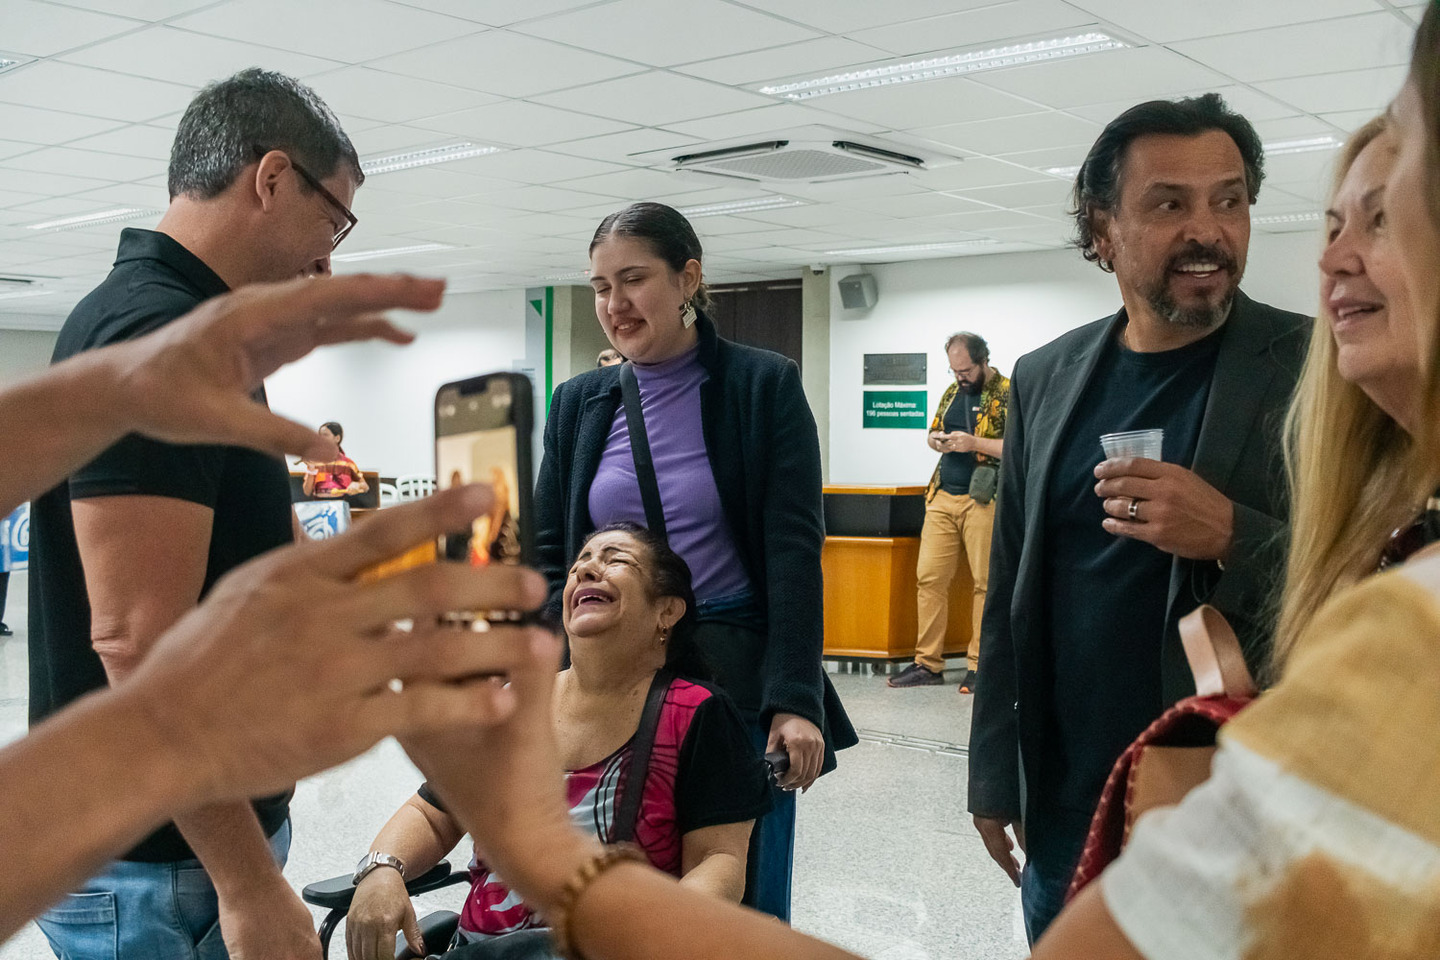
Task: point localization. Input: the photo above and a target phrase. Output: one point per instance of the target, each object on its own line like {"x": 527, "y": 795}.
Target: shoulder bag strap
{"x": 627, "y": 813}
{"x": 640, "y": 450}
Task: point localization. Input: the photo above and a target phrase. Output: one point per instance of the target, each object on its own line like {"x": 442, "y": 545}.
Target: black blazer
{"x": 1239, "y": 453}
{"x": 764, "y": 452}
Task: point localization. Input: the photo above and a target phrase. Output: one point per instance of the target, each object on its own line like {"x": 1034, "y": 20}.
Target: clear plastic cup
{"x": 1133, "y": 443}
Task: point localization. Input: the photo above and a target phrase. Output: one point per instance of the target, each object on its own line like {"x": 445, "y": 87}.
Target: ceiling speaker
{"x": 858, "y": 292}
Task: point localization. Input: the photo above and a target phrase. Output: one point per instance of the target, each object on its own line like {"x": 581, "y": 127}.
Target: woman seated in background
{"x": 340, "y": 477}
{"x": 629, "y": 611}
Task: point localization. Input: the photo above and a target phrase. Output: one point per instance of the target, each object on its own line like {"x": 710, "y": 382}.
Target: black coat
{"x": 764, "y": 453}
{"x": 1238, "y": 453}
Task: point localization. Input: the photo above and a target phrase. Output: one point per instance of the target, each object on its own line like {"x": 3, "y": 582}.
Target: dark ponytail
{"x": 665, "y": 230}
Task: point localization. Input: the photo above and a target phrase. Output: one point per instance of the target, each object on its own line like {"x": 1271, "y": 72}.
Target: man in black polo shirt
{"x": 1089, "y": 579}
{"x": 261, "y": 176}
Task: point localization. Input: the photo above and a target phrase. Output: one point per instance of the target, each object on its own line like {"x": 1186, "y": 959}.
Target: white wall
{"x": 1017, "y": 302}
{"x": 23, "y": 352}
{"x": 384, "y": 395}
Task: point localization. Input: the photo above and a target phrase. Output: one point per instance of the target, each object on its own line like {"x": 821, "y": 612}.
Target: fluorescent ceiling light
{"x": 93, "y": 219}
{"x": 17, "y": 294}
{"x": 359, "y": 255}
{"x": 911, "y": 248}
{"x": 574, "y": 275}
{"x": 1305, "y": 145}
{"x": 954, "y": 65}
{"x": 741, "y": 206}
{"x": 1277, "y": 218}
{"x": 1068, "y": 173}
{"x": 9, "y": 61}
{"x": 424, "y": 156}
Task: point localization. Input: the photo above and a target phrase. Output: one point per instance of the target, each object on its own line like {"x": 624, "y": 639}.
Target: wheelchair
{"x": 336, "y": 893}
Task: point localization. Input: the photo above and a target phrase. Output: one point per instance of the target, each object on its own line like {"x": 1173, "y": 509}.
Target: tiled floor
{"x": 886, "y": 864}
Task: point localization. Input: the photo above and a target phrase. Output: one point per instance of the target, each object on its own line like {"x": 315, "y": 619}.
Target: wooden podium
{"x": 869, "y": 559}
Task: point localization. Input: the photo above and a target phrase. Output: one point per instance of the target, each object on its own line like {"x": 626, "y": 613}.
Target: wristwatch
{"x": 370, "y": 861}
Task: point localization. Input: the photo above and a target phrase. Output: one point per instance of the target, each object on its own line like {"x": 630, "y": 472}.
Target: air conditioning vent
{"x": 796, "y": 160}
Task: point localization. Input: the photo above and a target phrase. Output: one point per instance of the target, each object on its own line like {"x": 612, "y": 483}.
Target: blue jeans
{"x": 144, "y": 911}
{"x": 1054, "y": 841}
{"x": 772, "y": 847}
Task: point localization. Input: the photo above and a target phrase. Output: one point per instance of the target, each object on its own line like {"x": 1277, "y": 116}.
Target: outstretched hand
{"x": 192, "y": 381}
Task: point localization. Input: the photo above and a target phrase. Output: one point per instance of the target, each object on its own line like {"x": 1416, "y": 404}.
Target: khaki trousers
{"x": 957, "y": 530}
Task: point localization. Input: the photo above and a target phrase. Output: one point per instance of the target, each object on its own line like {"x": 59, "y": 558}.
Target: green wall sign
{"x": 895, "y": 409}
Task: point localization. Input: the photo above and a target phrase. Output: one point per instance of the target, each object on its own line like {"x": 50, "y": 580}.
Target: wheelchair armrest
{"x": 337, "y": 892}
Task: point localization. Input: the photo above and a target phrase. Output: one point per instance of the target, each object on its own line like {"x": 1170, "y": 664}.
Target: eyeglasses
{"x": 350, "y": 219}
{"x": 1409, "y": 540}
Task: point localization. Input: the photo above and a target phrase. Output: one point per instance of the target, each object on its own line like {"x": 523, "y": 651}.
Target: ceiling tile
{"x": 845, "y": 16}
{"x": 625, "y": 147}
{"x": 87, "y": 163}
{"x": 543, "y": 199}
{"x": 972, "y": 28}
{"x": 394, "y": 99}
{"x": 42, "y": 29}
{"x": 1032, "y": 131}
{"x": 1142, "y": 73}
{"x": 1166, "y": 22}
{"x": 1350, "y": 43}
{"x": 496, "y": 13}
{"x": 776, "y": 118}
{"x": 632, "y": 184}
{"x": 535, "y": 166}
{"x": 1051, "y": 193}
{"x": 925, "y": 104}
{"x": 129, "y": 195}
{"x": 51, "y": 85}
{"x": 193, "y": 59}
{"x": 507, "y": 64}
{"x": 149, "y": 10}
{"x": 926, "y": 204}
{"x": 1353, "y": 90}
{"x": 977, "y": 172}
{"x": 351, "y": 31}
{"x": 47, "y": 184}
{"x": 388, "y": 138}
{"x": 1248, "y": 103}
{"x": 13, "y": 148}
{"x": 655, "y": 99}
{"x": 808, "y": 56}
{"x": 1349, "y": 120}
{"x": 664, "y": 33}
{"x": 136, "y": 140}
{"x": 521, "y": 124}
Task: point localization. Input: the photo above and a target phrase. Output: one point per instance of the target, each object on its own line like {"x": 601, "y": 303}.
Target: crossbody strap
{"x": 627, "y": 814}
{"x": 640, "y": 450}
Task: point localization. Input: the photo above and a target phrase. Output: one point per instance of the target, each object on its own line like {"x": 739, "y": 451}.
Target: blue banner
{"x": 15, "y": 540}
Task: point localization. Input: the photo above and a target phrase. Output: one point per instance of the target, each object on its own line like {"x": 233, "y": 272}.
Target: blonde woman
{"x": 1349, "y": 448}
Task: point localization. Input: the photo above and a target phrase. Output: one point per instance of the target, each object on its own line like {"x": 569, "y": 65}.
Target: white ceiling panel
{"x": 1050, "y": 193}
{"x": 1163, "y": 22}
{"x": 845, "y": 16}
{"x": 624, "y": 147}
{"x": 909, "y": 105}
{"x": 389, "y": 138}
{"x": 436, "y": 181}
{"x": 543, "y": 199}
{"x": 1142, "y": 73}
{"x": 1010, "y": 134}
{"x": 12, "y": 148}
{"x": 1003, "y": 21}
{"x": 362, "y": 92}
{"x": 148, "y": 10}
{"x": 47, "y": 184}
{"x": 127, "y": 194}
{"x": 977, "y": 172}
{"x": 192, "y": 59}
{"x": 777, "y": 118}
{"x": 1354, "y": 90}
{"x": 136, "y": 140}
{"x": 664, "y": 33}
{"x": 496, "y": 13}
{"x": 51, "y": 85}
{"x": 636, "y": 184}
{"x": 808, "y": 56}
{"x": 1351, "y": 43}
{"x": 351, "y": 31}
{"x": 42, "y": 29}
{"x": 928, "y": 204}
{"x": 507, "y": 64}
{"x": 86, "y": 163}
{"x": 1349, "y": 120}
{"x": 655, "y": 99}
{"x": 14, "y": 198}
{"x": 521, "y": 124}
{"x": 535, "y": 166}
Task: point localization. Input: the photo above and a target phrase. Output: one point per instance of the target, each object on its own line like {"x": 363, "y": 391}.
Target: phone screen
{"x": 480, "y": 439}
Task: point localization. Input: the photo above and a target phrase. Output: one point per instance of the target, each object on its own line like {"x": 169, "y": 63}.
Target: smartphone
{"x": 483, "y": 427}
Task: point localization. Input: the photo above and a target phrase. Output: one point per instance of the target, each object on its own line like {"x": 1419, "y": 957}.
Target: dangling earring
{"x": 664, "y": 635}
{"x": 687, "y": 314}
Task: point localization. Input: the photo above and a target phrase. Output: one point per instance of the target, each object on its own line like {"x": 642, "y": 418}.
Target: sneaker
{"x": 5, "y": 631}
{"x": 916, "y": 676}
{"x": 968, "y": 684}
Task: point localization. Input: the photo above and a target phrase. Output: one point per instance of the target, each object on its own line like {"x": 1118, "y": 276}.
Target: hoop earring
{"x": 687, "y": 314}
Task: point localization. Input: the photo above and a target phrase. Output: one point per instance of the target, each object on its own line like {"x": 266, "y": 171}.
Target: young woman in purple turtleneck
{"x": 737, "y": 462}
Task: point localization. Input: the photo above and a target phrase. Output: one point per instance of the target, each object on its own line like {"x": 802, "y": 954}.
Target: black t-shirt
{"x": 1107, "y": 594}
{"x": 155, "y": 280}
{"x": 956, "y": 468}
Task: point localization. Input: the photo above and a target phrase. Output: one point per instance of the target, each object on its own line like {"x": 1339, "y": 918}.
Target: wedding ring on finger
{"x": 1134, "y": 509}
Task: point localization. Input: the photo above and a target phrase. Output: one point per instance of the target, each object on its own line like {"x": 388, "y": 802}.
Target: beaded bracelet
{"x": 559, "y": 916}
